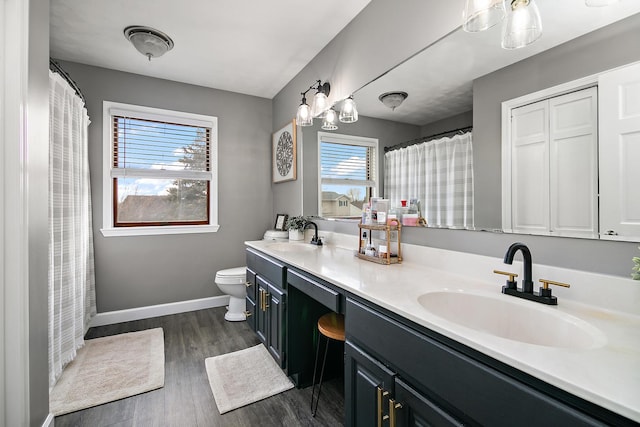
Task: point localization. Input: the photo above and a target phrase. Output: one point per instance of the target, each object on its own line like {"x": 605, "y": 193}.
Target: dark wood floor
{"x": 186, "y": 399}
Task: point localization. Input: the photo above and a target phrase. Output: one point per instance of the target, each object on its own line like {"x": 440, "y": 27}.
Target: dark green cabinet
{"x": 376, "y": 396}
{"x": 268, "y": 303}
{"x": 442, "y": 383}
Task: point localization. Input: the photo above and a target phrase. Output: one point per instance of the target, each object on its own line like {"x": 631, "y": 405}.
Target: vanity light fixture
{"x": 393, "y": 99}
{"x": 305, "y": 114}
{"x": 148, "y": 41}
{"x": 599, "y": 3}
{"x": 330, "y": 119}
{"x": 348, "y": 112}
{"x": 480, "y": 15}
{"x": 523, "y": 25}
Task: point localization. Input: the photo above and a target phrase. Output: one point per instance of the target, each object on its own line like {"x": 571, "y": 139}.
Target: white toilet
{"x": 232, "y": 282}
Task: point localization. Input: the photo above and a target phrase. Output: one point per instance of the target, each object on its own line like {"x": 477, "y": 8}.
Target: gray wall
{"x": 601, "y": 50}
{"x": 458, "y": 121}
{"x": 387, "y": 132}
{"x": 384, "y": 34}
{"x": 607, "y": 48}
{"x": 145, "y": 270}
{"x": 37, "y": 164}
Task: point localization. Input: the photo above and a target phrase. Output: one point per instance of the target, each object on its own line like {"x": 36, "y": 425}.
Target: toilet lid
{"x": 231, "y": 275}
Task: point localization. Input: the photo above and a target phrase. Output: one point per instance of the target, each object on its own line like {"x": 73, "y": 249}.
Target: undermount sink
{"x": 516, "y": 320}
{"x": 292, "y": 247}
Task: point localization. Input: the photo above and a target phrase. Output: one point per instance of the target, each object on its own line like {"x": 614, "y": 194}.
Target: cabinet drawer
{"x": 324, "y": 295}
{"x": 267, "y": 267}
{"x": 478, "y": 392}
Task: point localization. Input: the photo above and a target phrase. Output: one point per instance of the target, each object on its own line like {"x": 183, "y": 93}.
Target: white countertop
{"x": 608, "y": 376}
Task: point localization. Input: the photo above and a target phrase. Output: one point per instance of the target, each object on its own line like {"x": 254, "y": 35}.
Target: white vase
{"x": 296, "y": 235}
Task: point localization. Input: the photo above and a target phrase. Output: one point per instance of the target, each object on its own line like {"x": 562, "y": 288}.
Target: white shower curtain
{"x": 439, "y": 173}
{"x": 72, "y": 300}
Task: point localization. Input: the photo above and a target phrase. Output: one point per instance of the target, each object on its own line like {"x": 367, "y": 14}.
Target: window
{"x": 160, "y": 171}
{"x": 347, "y": 174}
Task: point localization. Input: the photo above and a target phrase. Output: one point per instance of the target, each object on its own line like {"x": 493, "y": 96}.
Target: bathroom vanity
{"x": 405, "y": 365}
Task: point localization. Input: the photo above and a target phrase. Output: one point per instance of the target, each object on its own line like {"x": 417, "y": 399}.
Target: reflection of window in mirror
{"x": 347, "y": 178}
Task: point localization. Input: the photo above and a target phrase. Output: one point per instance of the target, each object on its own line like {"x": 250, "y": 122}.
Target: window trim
{"x": 362, "y": 141}
{"x": 109, "y": 109}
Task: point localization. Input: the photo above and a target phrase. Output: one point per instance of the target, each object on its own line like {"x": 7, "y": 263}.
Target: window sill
{"x": 155, "y": 231}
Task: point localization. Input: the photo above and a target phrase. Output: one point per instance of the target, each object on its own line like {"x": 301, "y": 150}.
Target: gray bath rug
{"x": 243, "y": 377}
{"x": 108, "y": 369}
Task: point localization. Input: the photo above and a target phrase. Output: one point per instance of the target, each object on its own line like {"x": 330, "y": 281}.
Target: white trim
{"x": 352, "y": 140}
{"x": 521, "y": 101}
{"x": 119, "y": 316}
{"x": 49, "y": 421}
{"x": 108, "y": 109}
{"x": 14, "y": 249}
{"x": 157, "y": 231}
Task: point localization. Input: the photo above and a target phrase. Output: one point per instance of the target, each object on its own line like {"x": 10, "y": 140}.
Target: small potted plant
{"x": 295, "y": 225}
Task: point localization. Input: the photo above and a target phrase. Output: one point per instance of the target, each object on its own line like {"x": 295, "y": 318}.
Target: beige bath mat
{"x": 243, "y": 377}
{"x": 110, "y": 368}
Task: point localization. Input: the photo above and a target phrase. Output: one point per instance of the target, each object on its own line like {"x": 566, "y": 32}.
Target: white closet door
{"x": 574, "y": 164}
{"x": 620, "y": 154}
{"x": 530, "y": 168}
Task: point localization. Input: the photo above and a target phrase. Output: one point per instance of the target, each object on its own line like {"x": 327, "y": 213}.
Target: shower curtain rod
{"x": 56, "y": 68}
{"x": 426, "y": 138}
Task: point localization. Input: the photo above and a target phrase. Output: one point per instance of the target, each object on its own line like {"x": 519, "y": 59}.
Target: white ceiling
{"x": 439, "y": 80}
{"x": 251, "y": 47}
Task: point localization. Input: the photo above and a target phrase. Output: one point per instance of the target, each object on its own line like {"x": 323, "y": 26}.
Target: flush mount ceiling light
{"x": 393, "y": 99}
{"x": 320, "y": 103}
{"x": 148, "y": 41}
{"x": 480, "y": 15}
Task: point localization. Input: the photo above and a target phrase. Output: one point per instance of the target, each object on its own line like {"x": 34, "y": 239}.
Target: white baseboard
{"x": 111, "y": 317}
{"x": 49, "y": 422}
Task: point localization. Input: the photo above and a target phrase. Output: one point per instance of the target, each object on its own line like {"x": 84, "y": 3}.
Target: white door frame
{"x": 14, "y": 265}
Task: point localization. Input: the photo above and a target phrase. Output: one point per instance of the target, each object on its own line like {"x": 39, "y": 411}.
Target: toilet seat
{"x": 232, "y": 276}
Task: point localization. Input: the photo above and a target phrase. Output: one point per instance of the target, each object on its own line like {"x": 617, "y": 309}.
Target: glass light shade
{"x": 329, "y": 122}
{"x": 320, "y": 104}
{"x": 348, "y": 112}
{"x": 304, "y": 117}
{"x": 479, "y": 15}
{"x": 599, "y": 3}
{"x": 148, "y": 41}
{"x": 523, "y": 25}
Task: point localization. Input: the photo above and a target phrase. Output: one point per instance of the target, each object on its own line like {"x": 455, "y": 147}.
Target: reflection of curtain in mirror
{"x": 72, "y": 299}
{"x": 440, "y": 174}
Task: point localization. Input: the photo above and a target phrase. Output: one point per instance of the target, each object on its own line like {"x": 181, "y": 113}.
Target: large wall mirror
{"x": 463, "y": 79}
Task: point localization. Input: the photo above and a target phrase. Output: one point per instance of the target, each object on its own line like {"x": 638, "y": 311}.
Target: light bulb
{"x": 303, "y": 116}
{"x": 348, "y": 113}
{"x": 320, "y": 104}
{"x": 523, "y": 25}
{"x": 329, "y": 122}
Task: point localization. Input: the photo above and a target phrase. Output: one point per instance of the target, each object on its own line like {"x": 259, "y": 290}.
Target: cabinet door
{"x": 619, "y": 149}
{"x": 261, "y": 312}
{"x": 417, "y": 410}
{"x": 275, "y": 309}
{"x": 368, "y": 386}
{"x": 530, "y": 168}
{"x": 573, "y": 175}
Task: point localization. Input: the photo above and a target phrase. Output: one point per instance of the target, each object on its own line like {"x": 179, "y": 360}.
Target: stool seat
{"x": 331, "y": 325}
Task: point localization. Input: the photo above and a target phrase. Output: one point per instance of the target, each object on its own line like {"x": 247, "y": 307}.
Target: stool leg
{"x": 324, "y": 362}
{"x": 315, "y": 368}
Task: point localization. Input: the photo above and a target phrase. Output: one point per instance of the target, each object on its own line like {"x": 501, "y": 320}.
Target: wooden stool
{"x": 331, "y": 326}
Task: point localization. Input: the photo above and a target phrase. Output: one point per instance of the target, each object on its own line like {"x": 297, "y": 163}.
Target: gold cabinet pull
{"x": 546, "y": 283}
{"x": 512, "y": 276}
{"x": 393, "y": 405}
{"x": 261, "y": 299}
{"x": 248, "y": 313}
{"x": 248, "y": 284}
{"x": 266, "y": 300}
{"x": 381, "y": 394}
